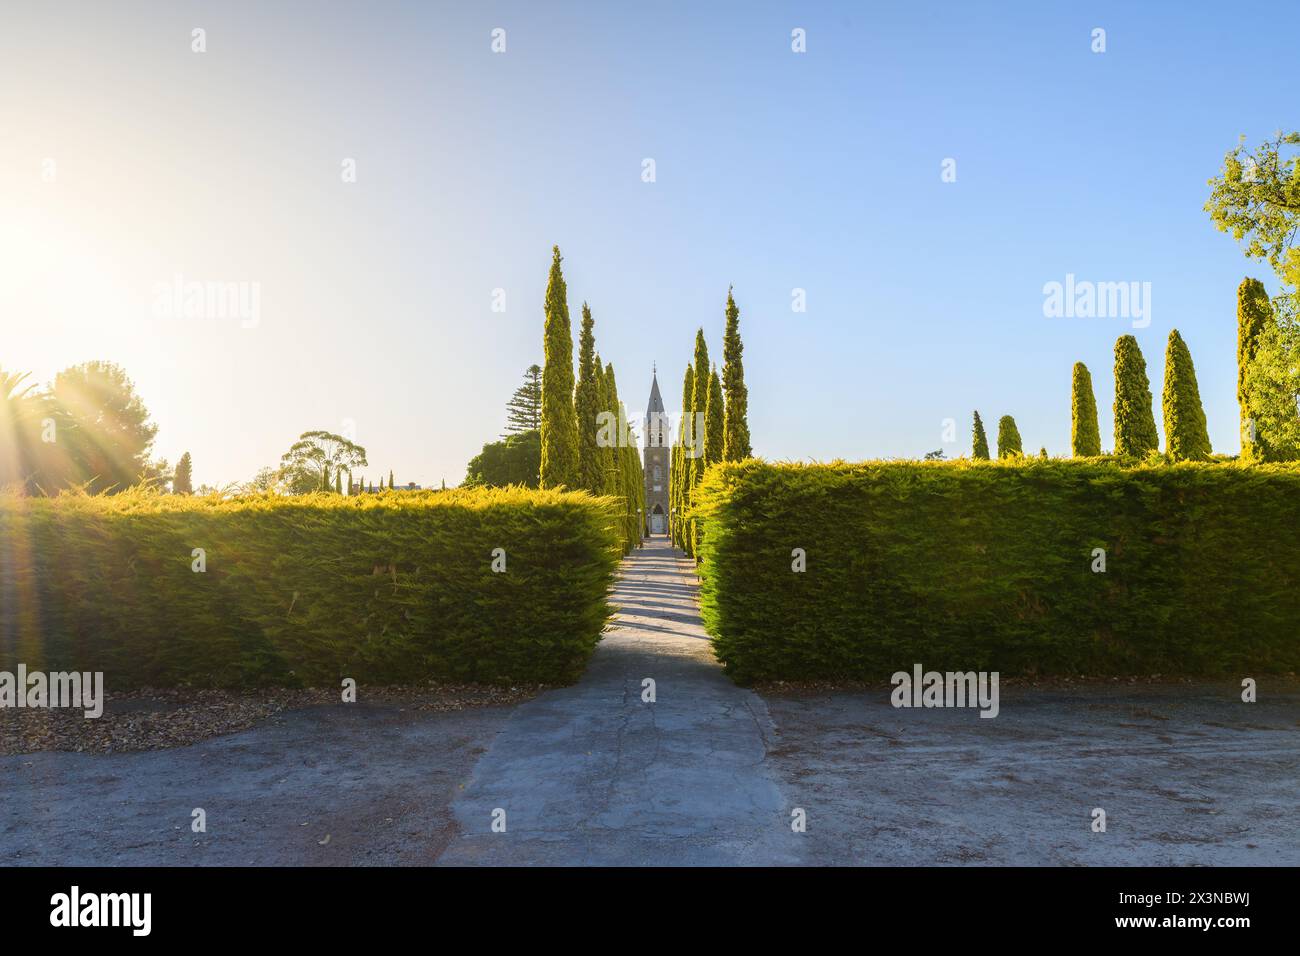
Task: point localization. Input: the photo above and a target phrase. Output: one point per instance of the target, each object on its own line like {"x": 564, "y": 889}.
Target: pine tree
{"x": 699, "y": 423}
{"x": 1085, "y": 433}
{"x": 559, "y": 418}
{"x": 1135, "y": 423}
{"x": 714, "y": 420}
{"x": 183, "y": 480}
{"x": 1008, "y": 438}
{"x": 338, "y": 482}
{"x": 610, "y": 453}
{"x": 699, "y": 408}
{"x": 524, "y": 410}
{"x": 624, "y": 486}
{"x": 979, "y": 441}
{"x": 678, "y": 482}
{"x": 591, "y": 457}
{"x": 635, "y": 489}
{"x": 674, "y": 455}
{"x": 1254, "y": 315}
{"x": 736, "y": 429}
{"x": 1186, "y": 436}
{"x": 390, "y": 478}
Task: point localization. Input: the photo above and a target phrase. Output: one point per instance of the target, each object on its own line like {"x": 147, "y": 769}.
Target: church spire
{"x": 656, "y": 403}
{"x": 656, "y": 431}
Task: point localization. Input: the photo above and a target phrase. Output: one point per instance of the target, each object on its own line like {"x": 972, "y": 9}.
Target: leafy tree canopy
{"x": 316, "y": 456}
{"x": 516, "y": 460}
{"x": 1256, "y": 197}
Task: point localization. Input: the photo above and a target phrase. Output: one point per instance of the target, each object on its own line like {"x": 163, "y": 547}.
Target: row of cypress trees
{"x": 587, "y": 442}
{"x": 1186, "y": 435}
{"x": 715, "y": 423}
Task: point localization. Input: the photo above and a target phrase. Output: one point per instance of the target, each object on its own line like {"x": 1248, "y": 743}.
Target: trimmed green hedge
{"x": 307, "y": 590}
{"x": 988, "y": 566}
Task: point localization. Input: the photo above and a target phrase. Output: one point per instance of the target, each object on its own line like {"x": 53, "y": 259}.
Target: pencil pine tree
{"x": 1186, "y": 435}
{"x": 1008, "y": 438}
{"x": 685, "y": 438}
{"x": 714, "y": 421}
{"x": 1085, "y": 433}
{"x": 591, "y": 457}
{"x": 736, "y": 423}
{"x": 1254, "y": 314}
{"x": 183, "y": 479}
{"x": 1135, "y": 423}
{"x": 559, "y": 418}
{"x": 979, "y": 440}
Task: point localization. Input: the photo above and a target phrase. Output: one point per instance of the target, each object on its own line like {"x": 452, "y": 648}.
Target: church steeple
{"x": 656, "y": 400}
{"x": 655, "y": 459}
{"x": 656, "y": 422}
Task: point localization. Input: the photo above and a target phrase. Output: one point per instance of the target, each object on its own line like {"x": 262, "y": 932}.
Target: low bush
{"x": 990, "y": 566}
{"x": 396, "y": 587}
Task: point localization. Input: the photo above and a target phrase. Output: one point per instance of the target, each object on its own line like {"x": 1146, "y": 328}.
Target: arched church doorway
{"x": 658, "y": 522}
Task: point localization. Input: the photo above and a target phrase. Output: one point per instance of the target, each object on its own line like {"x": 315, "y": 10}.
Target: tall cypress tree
{"x": 1186, "y": 436}
{"x": 736, "y": 427}
{"x": 699, "y": 418}
{"x": 559, "y": 418}
{"x": 1254, "y": 313}
{"x": 607, "y": 455}
{"x": 674, "y": 456}
{"x": 979, "y": 441}
{"x": 699, "y": 409}
{"x": 635, "y": 485}
{"x": 622, "y": 478}
{"x": 714, "y": 421}
{"x": 183, "y": 479}
{"x": 1008, "y": 438}
{"x": 677, "y": 487}
{"x": 591, "y": 457}
{"x": 1085, "y": 433}
{"x": 1135, "y": 423}
{"x": 613, "y": 462}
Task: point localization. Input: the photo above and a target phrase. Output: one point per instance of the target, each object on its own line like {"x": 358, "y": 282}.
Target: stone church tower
{"x": 655, "y": 461}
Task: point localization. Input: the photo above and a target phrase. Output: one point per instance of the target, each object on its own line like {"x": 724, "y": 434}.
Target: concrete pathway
{"x": 593, "y": 774}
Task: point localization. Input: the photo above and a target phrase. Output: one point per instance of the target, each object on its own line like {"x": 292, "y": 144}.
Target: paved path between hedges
{"x": 591, "y": 774}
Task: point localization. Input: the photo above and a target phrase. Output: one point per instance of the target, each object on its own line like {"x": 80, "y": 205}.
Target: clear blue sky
{"x": 775, "y": 170}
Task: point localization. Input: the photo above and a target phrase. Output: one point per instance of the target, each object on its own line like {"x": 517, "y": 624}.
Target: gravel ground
{"x": 156, "y": 719}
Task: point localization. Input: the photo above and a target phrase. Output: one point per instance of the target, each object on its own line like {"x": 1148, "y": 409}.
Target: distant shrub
{"x": 989, "y": 566}
{"x": 306, "y": 590}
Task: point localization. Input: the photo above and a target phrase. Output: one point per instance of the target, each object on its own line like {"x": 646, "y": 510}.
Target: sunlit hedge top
{"x": 397, "y": 586}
